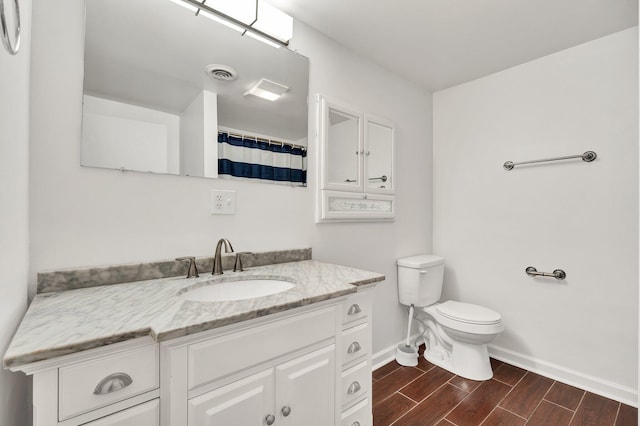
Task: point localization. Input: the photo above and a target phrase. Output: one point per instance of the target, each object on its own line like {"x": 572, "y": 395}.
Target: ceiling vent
{"x": 221, "y": 72}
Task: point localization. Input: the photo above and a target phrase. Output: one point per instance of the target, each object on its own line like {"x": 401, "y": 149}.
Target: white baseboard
{"x": 387, "y": 354}
{"x": 568, "y": 376}
{"x": 562, "y": 374}
{"x": 383, "y": 357}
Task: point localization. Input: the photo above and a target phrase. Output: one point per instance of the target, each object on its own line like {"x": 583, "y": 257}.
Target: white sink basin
{"x": 237, "y": 290}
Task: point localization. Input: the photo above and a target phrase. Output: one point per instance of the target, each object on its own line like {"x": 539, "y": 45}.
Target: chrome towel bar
{"x": 588, "y": 157}
{"x": 558, "y": 274}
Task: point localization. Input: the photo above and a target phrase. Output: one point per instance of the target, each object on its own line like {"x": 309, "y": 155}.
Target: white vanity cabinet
{"x": 115, "y": 385}
{"x": 355, "y": 372}
{"x": 298, "y": 392}
{"x": 279, "y": 369}
{"x": 309, "y": 366}
{"x": 145, "y": 414}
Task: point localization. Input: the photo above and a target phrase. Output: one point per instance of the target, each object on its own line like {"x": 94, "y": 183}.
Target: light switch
{"x": 223, "y": 201}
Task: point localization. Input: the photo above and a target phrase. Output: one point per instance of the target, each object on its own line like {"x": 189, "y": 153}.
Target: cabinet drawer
{"x": 225, "y": 355}
{"x": 355, "y": 383}
{"x": 356, "y": 343}
{"x": 356, "y": 307}
{"x": 147, "y": 414}
{"x": 358, "y": 415}
{"x": 88, "y": 385}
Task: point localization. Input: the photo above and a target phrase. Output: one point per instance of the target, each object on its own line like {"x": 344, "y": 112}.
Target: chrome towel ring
{"x": 13, "y": 49}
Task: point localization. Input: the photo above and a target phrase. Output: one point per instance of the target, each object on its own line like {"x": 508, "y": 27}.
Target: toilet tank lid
{"x": 421, "y": 261}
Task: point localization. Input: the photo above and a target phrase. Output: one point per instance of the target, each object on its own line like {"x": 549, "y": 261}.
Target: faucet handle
{"x": 193, "y": 269}
{"x": 237, "y": 267}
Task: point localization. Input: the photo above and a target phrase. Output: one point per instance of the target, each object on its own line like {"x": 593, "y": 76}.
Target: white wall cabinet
{"x": 356, "y": 164}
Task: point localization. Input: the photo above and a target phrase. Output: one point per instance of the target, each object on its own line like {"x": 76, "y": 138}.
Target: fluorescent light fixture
{"x": 267, "y": 89}
{"x": 254, "y": 18}
{"x": 262, "y": 39}
{"x": 185, "y": 5}
{"x": 274, "y": 22}
{"x": 241, "y": 10}
{"x": 222, "y": 21}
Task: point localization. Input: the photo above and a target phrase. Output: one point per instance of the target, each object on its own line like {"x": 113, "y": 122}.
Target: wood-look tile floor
{"x": 429, "y": 395}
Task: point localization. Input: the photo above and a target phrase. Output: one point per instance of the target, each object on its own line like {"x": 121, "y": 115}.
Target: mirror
{"x": 150, "y": 103}
{"x": 343, "y": 148}
{"x": 379, "y": 155}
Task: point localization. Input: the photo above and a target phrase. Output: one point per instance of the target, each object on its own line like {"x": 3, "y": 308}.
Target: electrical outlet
{"x": 223, "y": 201}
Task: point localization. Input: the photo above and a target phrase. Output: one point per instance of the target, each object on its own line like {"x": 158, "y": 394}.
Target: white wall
{"x": 490, "y": 224}
{"x": 83, "y": 216}
{"x": 199, "y": 136}
{"x": 14, "y": 210}
{"x": 119, "y": 135}
{"x": 340, "y": 74}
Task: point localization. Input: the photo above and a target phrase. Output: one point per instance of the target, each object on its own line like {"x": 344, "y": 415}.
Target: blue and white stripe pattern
{"x": 244, "y": 157}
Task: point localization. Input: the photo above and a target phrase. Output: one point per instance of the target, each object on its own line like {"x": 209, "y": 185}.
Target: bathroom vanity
{"x": 144, "y": 354}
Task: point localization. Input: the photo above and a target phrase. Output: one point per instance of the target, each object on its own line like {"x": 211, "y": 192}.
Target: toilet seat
{"x": 468, "y": 313}
{"x": 466, "y": 317}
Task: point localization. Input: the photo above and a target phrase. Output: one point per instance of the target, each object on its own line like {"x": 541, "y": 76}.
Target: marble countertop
{"x": 65, "y": 322}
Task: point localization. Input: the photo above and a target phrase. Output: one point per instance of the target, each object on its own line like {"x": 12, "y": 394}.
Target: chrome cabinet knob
{"x": 270, "y": 419}
{"x": 353, "y": 388}
{"x": 286, "y": 410}
{"x": 353, "y": 348}
{"x": 112, "y": 383}
{"x": 354, "y": 309}
{"x": 355, "y": 424}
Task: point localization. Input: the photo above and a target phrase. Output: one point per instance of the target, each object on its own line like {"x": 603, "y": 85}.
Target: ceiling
{"x": 442, "y": 43}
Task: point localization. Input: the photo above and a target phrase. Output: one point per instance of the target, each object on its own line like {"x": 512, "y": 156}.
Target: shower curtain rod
{"x": 588, "y": 157}
{"x": 259, "y": 139}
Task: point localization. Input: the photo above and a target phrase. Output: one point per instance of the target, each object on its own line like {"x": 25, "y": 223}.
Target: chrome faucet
{"x": 217, "y": 258}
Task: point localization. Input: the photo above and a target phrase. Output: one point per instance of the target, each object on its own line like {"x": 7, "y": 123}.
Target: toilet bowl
{"x": 458, "y": 337}
{"x": 456, "y": 334}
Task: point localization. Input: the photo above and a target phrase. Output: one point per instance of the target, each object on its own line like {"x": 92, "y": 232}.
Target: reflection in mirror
{"x": 379, "y": 156}
{"x": 343, "y": 148}
{"x": 151, "y": 103}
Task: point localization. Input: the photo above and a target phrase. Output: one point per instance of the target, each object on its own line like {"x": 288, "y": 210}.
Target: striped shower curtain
{"x": 251, "y": 158}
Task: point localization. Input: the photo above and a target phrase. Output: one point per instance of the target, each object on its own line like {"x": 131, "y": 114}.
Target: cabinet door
{"x": 147, "y": 414}
{"x": 305, "y": 389}
{"x": 247, "y": 402}
{"x": 341, "y": 138}
{"x": 379, "y": 155}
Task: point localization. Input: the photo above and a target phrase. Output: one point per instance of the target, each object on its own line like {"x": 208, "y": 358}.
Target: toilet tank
{"x": 420, "y": 279}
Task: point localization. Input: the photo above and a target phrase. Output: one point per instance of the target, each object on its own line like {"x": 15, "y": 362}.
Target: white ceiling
{"x": 441, "y": 43}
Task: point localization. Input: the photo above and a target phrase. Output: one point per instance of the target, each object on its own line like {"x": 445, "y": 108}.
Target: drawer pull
{"x": 112, "y": 383}
{"x": 353, "y": 348}
{"x": 354, "y": 388}
{"x": 286, "y": 410}
{"x": 354, "y": 309}
{"x": 270, "y": 419}
{"x": 355, "y": 424}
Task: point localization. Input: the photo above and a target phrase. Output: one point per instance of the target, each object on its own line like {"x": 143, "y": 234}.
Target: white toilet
{"x": 456, "y": 334}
